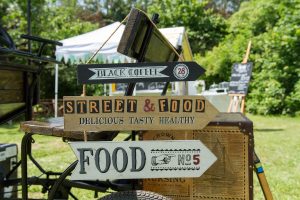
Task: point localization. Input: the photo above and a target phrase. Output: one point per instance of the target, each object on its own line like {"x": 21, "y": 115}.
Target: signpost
{"x": 92, "y": 113}
{"x": 139, "y": 72}
{"x": 141, "y": 159}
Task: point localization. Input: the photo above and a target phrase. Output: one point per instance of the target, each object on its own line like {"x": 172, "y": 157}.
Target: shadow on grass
{"x": 268, "y": 129}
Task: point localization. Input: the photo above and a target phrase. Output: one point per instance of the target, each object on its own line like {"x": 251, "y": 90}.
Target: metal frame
{"x": 31, "y": 75}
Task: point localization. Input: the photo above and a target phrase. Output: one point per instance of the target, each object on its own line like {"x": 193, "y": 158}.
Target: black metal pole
{"x": 141, "y": 58}
{"x": 164, "y": 91}
{"x": 25, "y": 146}
{"x": 28, "y": 113}
{"x": 142, "y": 53}
{"x": 29, "y": 23}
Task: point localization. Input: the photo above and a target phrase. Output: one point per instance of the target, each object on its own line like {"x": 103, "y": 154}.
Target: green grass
{"x": 277, "y": 143}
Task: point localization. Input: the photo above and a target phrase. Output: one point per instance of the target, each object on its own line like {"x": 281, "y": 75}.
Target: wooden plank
{"x": 4, "y": 65}
{"x": 55, "y": 127}
{"x": 159, "y": 49}
{"x": 11, "y": 80}
{"x": 140, "y": 159}
{"x": 11, "y": 96}
{"x": 137, "y": 113}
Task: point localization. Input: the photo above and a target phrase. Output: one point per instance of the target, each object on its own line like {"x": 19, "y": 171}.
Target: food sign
{"x": 140, "y": 159}
{"x": 92, "y": 113}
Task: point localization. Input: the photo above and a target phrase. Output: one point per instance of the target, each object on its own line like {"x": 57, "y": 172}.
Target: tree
{"x": 273, "y": 27}
{"x": 225, "y": 7}
{"x": 52, "y": 20}
{"x": 205, "y": 29}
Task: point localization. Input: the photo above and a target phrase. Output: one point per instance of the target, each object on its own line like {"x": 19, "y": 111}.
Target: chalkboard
{"x": 240, "y": 78}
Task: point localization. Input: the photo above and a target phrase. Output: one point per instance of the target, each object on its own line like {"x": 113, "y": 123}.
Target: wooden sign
{"x": 240, "y": 78}
{"x": 158, "y": 49}
{"x": 139, "y": 72}
{"x": 93, "y": 113}
{"x": 140, "y": 159}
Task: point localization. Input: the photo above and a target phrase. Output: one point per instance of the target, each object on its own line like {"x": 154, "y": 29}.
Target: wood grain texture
{"x": 149, "y": 113}
{"x": 158, "y": 50}
{"x": 11, "y": 80}
{"x": 230, "y": 177}
{"x": 57, "y": 129}
{"x": 11, "y": 96}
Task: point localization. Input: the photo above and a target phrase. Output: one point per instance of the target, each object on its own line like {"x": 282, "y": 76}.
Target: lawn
{"x": 277, "y": 142}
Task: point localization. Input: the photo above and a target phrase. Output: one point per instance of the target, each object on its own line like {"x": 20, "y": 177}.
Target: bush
{"x": 273, "y": 27}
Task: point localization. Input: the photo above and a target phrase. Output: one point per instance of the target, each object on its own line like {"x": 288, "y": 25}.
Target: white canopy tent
{"x": 80, "y": 48}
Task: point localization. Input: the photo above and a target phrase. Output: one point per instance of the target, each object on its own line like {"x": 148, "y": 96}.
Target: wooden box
{"x": 230, "y": 137}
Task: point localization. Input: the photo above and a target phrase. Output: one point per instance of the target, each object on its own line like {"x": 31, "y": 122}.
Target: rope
{"x": 91, "y": 58}
{"x": 107, "y": 39}
{"x": 96, "y": 52}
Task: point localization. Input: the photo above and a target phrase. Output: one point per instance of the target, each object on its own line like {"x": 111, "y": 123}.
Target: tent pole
{"x": 56, "y": 90}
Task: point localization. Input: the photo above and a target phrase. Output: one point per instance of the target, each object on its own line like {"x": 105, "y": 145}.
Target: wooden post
{"x": 84, "y": 94}
{"x": 261, "y": 177}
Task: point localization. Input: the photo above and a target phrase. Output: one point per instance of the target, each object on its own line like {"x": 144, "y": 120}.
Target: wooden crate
{"x": 230, "y": 137}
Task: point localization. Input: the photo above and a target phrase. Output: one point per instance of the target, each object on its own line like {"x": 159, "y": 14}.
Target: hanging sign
{"x": 140, "y": 159}
{"x": 94, "y": 113}
{"x": 139, "y": 72}
{"x": 240, "y": 78}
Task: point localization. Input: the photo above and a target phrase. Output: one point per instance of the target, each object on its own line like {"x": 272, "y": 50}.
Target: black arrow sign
{"x": 138, "y": 72}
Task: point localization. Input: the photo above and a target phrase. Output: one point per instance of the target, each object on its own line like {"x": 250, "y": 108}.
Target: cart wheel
{"x": 134, "y": 195}
{"x": 56, "y": 187}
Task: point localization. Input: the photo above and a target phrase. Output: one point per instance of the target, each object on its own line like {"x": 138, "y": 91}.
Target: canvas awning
{"x": 80, "y": 48}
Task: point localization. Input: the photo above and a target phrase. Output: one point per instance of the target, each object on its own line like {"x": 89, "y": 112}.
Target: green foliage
{"x": 225, "y": 7}
{"x": 52, "y": 21}
{"x": 273, "y": 27}
{"x": 205, "y": 29}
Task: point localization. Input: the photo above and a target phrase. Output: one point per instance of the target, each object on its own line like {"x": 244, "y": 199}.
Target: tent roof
{"x": 80, "y": 48}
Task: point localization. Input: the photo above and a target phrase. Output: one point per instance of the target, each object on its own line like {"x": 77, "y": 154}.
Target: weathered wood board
{"x": 137, "y": 113}
{"x": 11, "y": 86}
{"x": 158, "y": 50}
{"x": 11, "y": 80}
{"x": 230, "y": 138}
{"x": 12, "y": 94}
